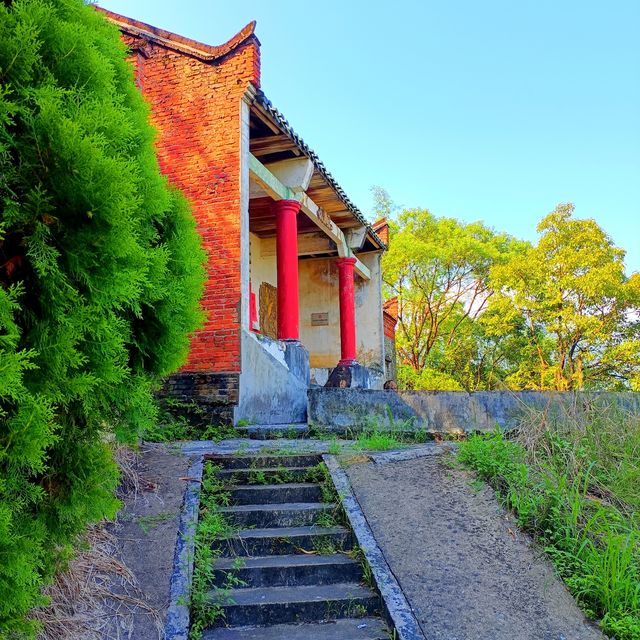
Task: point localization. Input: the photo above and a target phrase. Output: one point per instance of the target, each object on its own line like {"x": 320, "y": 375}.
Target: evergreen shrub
{"x": 100, "y": 277}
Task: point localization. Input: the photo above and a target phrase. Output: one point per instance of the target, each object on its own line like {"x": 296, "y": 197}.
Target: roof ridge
{"x": 205, "y": 52}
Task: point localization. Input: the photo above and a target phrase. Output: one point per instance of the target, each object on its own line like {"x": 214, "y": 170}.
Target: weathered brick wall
{"x": 216, "y": 394}
{"x": 195, "y": 107}
{"x": 389, "y": 325}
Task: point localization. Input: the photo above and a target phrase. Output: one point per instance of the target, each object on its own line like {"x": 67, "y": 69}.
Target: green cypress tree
{"x": 100, "y": 277}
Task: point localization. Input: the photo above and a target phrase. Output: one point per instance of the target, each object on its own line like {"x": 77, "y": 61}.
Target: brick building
{"x": 294, "y": 283}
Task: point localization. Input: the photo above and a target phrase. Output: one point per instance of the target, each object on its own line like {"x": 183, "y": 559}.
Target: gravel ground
{"x": 466, "y": 570}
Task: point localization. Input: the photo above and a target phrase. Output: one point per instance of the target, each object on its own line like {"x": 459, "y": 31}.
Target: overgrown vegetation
{"x": 573, "y": 481}
{"x": 100, "y": 276}
{"x": 212, "y": 528}
{"x": 178, "y": 420}
{"x": 377, "y": 434}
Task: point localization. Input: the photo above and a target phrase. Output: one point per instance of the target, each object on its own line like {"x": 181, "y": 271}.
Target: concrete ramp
{"x": 466, "y": 570}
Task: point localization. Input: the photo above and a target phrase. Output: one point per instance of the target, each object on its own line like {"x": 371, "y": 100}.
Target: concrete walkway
{"x": 465, "y": 569}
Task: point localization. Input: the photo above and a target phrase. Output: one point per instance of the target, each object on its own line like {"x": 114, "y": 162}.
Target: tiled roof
{"x": 287, "y": 129}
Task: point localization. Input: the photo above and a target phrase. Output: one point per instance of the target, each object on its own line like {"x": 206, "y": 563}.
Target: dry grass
{"x": 572, "y": 477}
{"x": 591, "y": 432}
{"x": 96, "y": 596}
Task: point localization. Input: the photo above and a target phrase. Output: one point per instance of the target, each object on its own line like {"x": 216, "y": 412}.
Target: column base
{"x": 349, "y": 376}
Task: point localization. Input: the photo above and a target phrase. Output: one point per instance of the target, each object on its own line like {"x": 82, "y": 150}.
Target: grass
{"x": 146, "y": 523}
{"x": 573, "y": 481}
{"x": 212, "y": 528}
{"x": 373, "y": 435}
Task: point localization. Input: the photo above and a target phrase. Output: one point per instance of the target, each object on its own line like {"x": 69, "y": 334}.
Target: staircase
{"x": 298, "y": 582}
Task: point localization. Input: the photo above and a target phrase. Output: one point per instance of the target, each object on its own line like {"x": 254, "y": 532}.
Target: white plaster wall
{"x": 319, "y": 294}
{"x": 270, "y": 391}
{"x": 369, "y": 320}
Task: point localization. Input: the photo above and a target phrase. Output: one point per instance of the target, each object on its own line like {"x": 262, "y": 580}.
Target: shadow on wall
{"x": 451, "y": 412}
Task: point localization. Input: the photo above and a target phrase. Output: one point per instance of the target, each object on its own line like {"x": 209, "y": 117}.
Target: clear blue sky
{"x": 493, "y": 111}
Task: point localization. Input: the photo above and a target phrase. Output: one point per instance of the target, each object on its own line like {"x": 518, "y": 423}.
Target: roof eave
{"x": 283, "y": 125}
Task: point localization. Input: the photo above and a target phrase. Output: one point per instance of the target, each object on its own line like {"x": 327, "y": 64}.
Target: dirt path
{"x": 464, "y": 567}
{"x": 146, "y": 532}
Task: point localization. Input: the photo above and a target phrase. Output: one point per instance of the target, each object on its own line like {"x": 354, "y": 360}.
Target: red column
{"x": 347, "y": 311}
{"x": 286, "y": 212}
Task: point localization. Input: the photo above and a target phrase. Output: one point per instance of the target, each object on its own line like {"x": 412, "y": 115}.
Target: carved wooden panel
{"x": 269, "y": 310}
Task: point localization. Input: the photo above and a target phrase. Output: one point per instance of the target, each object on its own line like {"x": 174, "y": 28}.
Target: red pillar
{"x": 286, "y": 212}
{"x": 347, "y": 311}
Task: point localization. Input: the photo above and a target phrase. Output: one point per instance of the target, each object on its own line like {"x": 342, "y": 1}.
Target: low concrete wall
{"x": 442, "y": 411}
{"x": 273, "y": 382}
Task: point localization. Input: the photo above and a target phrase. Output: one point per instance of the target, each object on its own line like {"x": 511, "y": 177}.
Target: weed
{"x": 336, "y": 516}
{"x": 367, "y": 575}
{"x": 324, "y": 546}
{"x": 146, "y": 523}
{"x": 291, "y": 433}
{"x": 355, "y": 610}
{"x": 242, "y": 449}
{"x": 327, "y": 519}
{"x": 377, "y": 434}
{"x": 334, "y": 447}
{"x": 207, "y": 599}
{"x": 573, "y": 482}
{"x": 179, "y": 420}
{"x": 277, "y": 475}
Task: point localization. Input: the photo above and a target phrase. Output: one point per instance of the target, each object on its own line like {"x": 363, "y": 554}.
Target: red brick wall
{"x": 389, "y": 325}
{"x": 196, "y": 108}
{"x": 390, "y": 317}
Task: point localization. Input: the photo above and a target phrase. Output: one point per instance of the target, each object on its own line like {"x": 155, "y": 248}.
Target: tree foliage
{"x": 100, "y": 277}
{"x": 439, "y": 269}
{"x": 481, "y": 310}
{"x": 578, "y": 310}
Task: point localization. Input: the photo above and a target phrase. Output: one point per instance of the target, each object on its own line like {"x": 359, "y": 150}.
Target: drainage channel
{"x": 286, "y": 565}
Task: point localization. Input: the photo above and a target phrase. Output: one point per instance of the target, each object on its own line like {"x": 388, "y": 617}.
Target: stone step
{"x": 272, "y": 431}
{"x": 343, "y": 629}
{"x": 289, "y": 570}
{"x": 264, "y": 475}
{"x": 278, "y": 605}
{"x": 276, "y": 493}
{"x": 289, "y": 514}
{"x": 286, "y": 540}
{"x": 263, "y": 461}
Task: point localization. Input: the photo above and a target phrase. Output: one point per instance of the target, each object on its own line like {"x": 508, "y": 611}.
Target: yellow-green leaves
{"x": 481, "y": 310}
{"x": 579, "y": 310}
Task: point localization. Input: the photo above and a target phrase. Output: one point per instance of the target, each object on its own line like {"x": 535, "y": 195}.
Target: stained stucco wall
{"x": 319, "y": 294}
{"x": 447, "y": 411}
